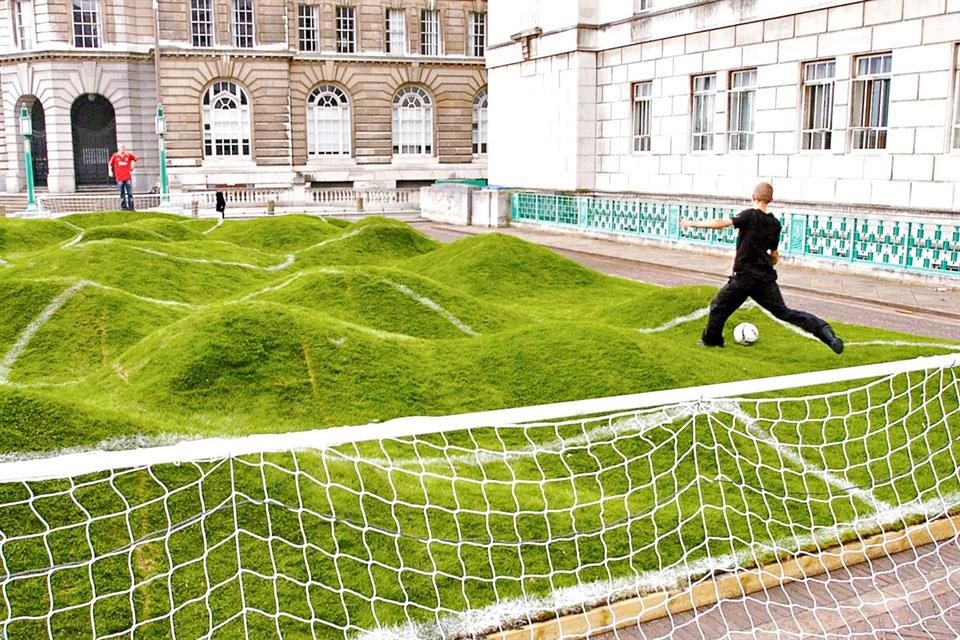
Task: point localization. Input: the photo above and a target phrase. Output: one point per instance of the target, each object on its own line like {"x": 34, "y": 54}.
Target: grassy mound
{"x": 114, "y": 218}
{"x": 149, "y": 271}
{"x": 506, "y": 267}
{"x": 18, "y": 236}
{"x": 123, "y": 232}
{"x": 281, "y": 233}
{"x": 394, "y": 301}
{"x": 46, "y": 419}
{"x": 88, "y": 332}
{"x": 23, "y": 301}
{"x": 372, "y": 241}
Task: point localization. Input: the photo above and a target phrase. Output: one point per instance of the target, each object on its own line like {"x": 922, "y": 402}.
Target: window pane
{"x": 871, "y": 102}
{"x": 24, "y": 23}
{"x": 477, "y": 42}
{"x": 307, "y": 35}
{"x": 412, "y": 122}
{"x": 480, "y": 123}
{"x": 243, "y": 23}
{"x": 346, "y": 30}
{"x": 328, "y": 121}
{"x": 201, "y": 23}
{"x": 642, "y": 110}
{"x": 226, "y": 121}
{"x": 818, "y": 105}
{"x": 430, "y": 32}
{"x": 704, "y": 108}
{"x": 86, "y": 23}
{"x": 956, "y": 106}
{"x": 396, "y": 31}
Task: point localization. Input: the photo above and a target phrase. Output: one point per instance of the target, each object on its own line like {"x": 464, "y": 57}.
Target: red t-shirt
{"x": 122, "y": 165}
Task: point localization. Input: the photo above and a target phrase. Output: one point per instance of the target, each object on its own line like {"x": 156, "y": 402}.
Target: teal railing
{"x": 909, "y": 245}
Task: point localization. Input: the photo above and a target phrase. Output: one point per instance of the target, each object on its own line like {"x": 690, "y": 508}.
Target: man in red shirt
{"x": 120, "y": 168}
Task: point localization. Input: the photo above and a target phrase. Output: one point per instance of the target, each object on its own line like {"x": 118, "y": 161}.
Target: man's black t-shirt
{"x": 759, "y": 233}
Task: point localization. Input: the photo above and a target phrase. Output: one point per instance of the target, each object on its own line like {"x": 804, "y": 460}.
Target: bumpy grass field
{"x": 118, "y": 329}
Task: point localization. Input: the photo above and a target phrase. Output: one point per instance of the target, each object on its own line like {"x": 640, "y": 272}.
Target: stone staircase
{"x": 12, "y": 202}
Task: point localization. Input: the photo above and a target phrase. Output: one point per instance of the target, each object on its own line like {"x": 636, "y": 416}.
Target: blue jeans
{"x": 126, "y": 195}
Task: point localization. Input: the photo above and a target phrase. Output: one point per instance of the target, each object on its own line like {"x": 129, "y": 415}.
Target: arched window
{"x": 226, "y": 120}
{"x": 328, "y": 122}
{"x": 480, "y": 122}
{"x": 412, "y": 122}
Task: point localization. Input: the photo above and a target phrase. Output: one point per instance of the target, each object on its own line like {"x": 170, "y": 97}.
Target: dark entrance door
{"x": 39, "y": 145}
{"x": 94, "y": 139}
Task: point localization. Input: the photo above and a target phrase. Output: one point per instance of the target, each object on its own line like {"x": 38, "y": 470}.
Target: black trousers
{"x": 765, "y": 293}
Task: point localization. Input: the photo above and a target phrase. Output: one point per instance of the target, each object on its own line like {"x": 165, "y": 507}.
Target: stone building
{"x": 836, "y": 101}
{"x": 261, "y": 93}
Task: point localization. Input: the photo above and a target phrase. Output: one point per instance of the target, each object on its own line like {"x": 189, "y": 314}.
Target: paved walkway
{"x": 912, "y": 594}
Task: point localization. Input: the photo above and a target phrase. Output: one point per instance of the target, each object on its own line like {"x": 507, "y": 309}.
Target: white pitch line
{"x": 430, "y": 304}
{"x": 519, "y": 611}
{"x": 27, "y": 334}
{"x": 219, "y": 222}
{"x": 286, "y": 263}
{"x": 75, "y": 240}
{"x": 750, "y": 304}
{"x": 273, "y": 288}
{"x": 4, "y": 263}
{"x": 670, "y": 324}
{"x": 402, "y": 288}
{"x": 158, "y": 301}
{"x": 332, "y": 240}
{"x": 72, "y": 226}
{"x": 788, "y": 452}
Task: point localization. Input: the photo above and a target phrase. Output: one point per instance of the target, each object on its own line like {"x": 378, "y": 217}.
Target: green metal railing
{"x": 909, "y": 245}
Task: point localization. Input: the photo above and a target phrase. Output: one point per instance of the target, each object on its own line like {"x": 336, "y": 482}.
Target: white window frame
{"x": 412, "y": 122}
{"x": 481, "y": 127}
{"x": 243, "y": 24}
{"x": 201, "y": 23}
{"x": 430, "y": 32}
{"x": 870, "y": 101}
{"x": 395, "y": 31}
{"x": 328, "y": 122}
{"x": 741, "y": 110}
{"x": 703, "y": 112}
{"x": 87, "y": 31}
{"x": 226, "y": 121}
{"x": 25, "y": 24}
{"x": 308, "y": 27}
{"x": 346, "y": 29}
{"x": 477, "y": 34}
{"x": 642, "y": 115}
{"x": 955, "y": 127}
{"x": 644, "y": 5}
{"x": 816, "y": 128}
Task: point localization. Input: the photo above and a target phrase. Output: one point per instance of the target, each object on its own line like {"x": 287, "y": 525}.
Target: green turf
{"x": 190, "y": 328}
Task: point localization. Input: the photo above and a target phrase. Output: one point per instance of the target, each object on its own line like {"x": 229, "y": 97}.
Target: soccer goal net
{"x": 817, "y": 504}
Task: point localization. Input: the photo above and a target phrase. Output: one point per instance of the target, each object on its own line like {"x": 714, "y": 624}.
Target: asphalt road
{"x": 855, "y": 311}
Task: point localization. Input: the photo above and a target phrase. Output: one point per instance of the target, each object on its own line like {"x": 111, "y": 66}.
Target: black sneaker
{"x": 831, "y": 340}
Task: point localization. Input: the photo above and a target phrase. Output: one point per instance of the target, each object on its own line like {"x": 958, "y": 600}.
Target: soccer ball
{"x": 745, "y": 333}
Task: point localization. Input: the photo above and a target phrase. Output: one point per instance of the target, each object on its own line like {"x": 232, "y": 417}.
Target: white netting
{"x": 691, "y": 508}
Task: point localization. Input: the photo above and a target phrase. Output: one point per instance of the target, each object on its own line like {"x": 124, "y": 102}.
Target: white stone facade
{"x": 562, "y": 75}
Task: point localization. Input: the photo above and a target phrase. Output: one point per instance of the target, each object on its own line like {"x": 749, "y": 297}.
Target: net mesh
{"x": 685, "y": 517}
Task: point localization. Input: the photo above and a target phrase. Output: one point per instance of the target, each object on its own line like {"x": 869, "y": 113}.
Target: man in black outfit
{"x": 754, "y": 275}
